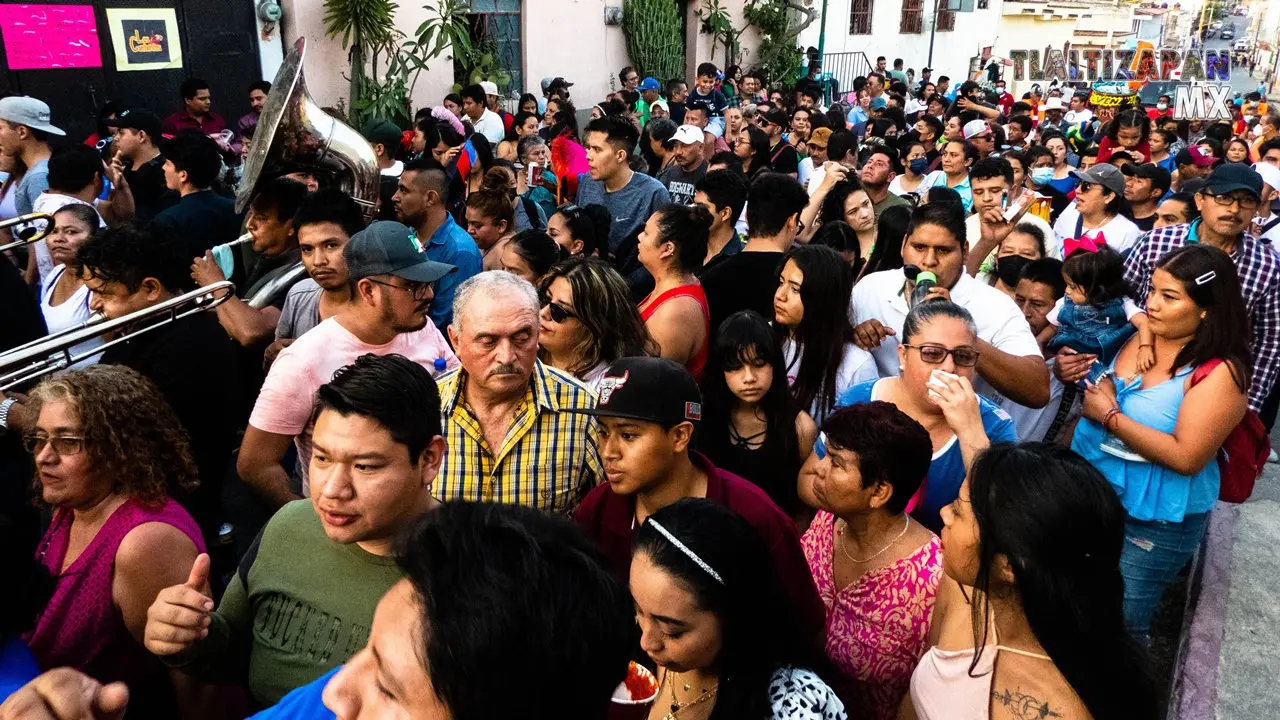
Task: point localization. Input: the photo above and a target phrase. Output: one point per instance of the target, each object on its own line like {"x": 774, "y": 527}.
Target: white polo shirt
{"x": 490, "y": 126}
{"x": 878, "y": 296}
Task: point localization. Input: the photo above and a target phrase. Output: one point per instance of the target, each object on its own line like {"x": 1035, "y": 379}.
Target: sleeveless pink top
{"x": 81, "y": 627}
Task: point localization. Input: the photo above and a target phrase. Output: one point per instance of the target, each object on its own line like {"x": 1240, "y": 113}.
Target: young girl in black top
{"x": 751, "y": 425}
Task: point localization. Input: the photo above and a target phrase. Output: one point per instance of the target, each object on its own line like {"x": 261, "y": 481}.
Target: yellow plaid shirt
{"x": 550, "y": 457}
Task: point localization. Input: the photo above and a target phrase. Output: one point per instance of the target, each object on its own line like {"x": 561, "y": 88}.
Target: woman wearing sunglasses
{"x": 110, "y": 456}
{"x": 588, "y": 320}
{"x": 938, "y": 354}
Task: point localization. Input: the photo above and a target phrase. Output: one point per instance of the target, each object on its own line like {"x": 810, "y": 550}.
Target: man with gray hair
{"x": 513, "y": 426}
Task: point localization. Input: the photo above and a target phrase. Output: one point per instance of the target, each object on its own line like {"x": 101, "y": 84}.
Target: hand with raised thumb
{"x": 180, "y": 615}
{"x": 66, "y": 694}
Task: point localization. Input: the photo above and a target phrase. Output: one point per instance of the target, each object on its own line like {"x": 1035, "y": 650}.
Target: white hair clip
{"x": 1206, "y": 277}
{"x": 685, "y": 549}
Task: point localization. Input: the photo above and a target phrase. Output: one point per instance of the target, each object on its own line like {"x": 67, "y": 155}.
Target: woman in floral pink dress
{"x": 876, "y": 569}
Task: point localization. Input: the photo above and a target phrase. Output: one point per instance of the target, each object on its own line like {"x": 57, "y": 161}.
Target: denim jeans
{"x": 1153, "y": 555}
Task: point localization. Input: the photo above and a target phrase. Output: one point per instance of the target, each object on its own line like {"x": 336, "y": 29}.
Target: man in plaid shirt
{"x": 1227, "y": 203}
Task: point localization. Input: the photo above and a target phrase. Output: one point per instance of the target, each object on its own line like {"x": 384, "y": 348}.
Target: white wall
{"x": 952, "y": 50}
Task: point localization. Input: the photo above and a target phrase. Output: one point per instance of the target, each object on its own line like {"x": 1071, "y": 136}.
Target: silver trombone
{"x": 54, "y": 352}
{"x": 22, "y": 220}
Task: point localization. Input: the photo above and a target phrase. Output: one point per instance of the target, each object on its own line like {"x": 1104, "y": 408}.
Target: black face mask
{"x": 1009, "y": 269}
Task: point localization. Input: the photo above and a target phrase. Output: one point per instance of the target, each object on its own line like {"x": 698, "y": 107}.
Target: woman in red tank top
{"x": 672, "y": 247}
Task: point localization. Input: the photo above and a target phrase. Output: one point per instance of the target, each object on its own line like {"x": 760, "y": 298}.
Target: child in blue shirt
{"x": 705, "y": 95}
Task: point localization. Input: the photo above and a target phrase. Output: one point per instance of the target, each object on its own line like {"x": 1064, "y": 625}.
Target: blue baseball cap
{"x": 649, "y": 84}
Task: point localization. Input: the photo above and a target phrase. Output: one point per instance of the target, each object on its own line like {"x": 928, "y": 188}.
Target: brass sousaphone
{"x": 294, "y": 134}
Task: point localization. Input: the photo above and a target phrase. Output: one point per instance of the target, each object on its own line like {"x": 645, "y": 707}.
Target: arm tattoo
{"x": 1023, "y": 706}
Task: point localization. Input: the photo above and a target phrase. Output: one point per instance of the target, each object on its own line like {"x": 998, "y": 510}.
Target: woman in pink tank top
{"x": 108, "y": 451}
{"x": 672, "y": 247}
{"x": 1029, "y": 619}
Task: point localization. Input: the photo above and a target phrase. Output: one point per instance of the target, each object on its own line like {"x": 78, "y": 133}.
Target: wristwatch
{"x": 4, "y": 413}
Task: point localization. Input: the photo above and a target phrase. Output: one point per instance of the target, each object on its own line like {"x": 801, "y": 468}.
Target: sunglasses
{"x": 936, "y": 354}
{"x": 559, "y": 313}
{"x": 64, "y": 445}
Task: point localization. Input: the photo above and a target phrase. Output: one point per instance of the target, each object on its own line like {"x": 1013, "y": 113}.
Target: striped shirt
{"x": 549, "y": 460}
{"x": 1259, "y": 270}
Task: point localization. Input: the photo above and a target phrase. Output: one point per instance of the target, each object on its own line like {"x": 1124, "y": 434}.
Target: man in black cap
{"x": 783, "y": 158}
{"x": 1227, "y": 202}
{"x": 1144, "y": 185}
{"x": 393, "y": 283}
{"x": 648, "y": 410}
{"x": 136, "y": 136}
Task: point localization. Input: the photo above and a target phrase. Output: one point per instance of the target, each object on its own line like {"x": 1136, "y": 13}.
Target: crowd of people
{"x": 815, "y": 402}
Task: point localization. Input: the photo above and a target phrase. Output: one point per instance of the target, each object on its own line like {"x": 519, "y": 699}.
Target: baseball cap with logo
{"x": 974, "y": 128}
{"x": 138, "y": 119}
{"x": 1193, "y": 155}
{"x": 390, "y": 248}
{"x": 1104, "y": 174}
{"x": 649, "y": 84}
{"x": 650, "y": 389}
{"x": 687, "y": 135}
{"x": 23, "y": 110}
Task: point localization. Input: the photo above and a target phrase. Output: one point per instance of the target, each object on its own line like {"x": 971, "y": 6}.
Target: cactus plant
{"x": 654, "y": 39}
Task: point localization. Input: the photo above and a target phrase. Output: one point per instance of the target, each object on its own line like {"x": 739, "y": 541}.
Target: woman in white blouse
{"x": 64, "y": 298}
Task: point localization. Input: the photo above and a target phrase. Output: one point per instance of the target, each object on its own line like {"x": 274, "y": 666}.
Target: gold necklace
{"x": 905, "y": 526}
{"x": 678, "y": 707}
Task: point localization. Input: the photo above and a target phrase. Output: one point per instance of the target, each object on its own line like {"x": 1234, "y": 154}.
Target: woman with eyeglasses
{"x": 582, "y": 230}
{"x": 1099, "y": 212}
{"x": 109, "y": 456}
{"x": 716, "y": 621}
{"x": 752, "y": 149}
{"x": 671, "y": 247}
{"x": 588, "y": 320}
{"x": 937, "y": 357}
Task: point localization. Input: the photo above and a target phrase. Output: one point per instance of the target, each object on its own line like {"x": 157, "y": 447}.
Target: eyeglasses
{"x": 1245, "y": 203}
{"x": 64, "y": 445}
{"x": 559, "y": 313}
{"x": 936, "y": 354}
{"x": 419, "y": 290}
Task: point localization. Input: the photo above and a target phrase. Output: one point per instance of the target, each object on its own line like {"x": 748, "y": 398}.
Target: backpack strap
{"x": 1204, "y": 370}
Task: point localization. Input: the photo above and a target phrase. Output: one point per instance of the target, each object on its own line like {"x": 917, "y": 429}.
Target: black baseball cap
{"x": 651, "y": 389}
{"x": 138, "y": 119}
{"x": 777, "y": 116}
{"x": 387, "y": 247}
{"x": 1230, "y": 177}
{"x": 1160, "y": 178}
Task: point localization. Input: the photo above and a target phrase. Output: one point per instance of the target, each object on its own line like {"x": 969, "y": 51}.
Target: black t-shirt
{"x": 150, "y": 195}
{"x": 20, "y": 322}
{"x": 193, "y": 364}
{"x": 745, "y": 281}
{"x": 1145, "y": 224}
{"x": 783, "y": 158}
{"x": 199, "y": 221}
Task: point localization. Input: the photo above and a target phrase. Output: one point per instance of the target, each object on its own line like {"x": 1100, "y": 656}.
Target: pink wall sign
{"x": 46, "y": 37}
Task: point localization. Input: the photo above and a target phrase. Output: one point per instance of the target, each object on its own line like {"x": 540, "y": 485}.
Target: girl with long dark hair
{"x": 1129, "y": 131}
{"x": 751, "y": 426}
{"x": 713, "y": 616}
{"x": 1154, "y": 434}
{"x": 1028, "y": 620}
{"x": 821, "y": 359}
{"x": 891, "y": 228}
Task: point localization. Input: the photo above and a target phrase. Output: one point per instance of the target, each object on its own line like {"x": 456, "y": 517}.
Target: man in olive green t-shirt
{"x": 302, "y": 600}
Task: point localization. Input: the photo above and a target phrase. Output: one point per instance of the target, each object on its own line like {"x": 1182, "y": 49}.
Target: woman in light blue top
{"x": 1155, "y": 435}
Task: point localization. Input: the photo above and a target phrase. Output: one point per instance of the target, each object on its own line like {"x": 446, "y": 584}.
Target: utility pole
{"x": 822, "y": 30}
{"x": 933, "y": 28}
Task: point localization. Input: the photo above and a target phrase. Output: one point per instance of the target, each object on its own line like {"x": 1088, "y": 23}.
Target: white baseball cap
{"x": 489, "y": 88}
{"x": 687, "y": 135}
{"x": 974, "y": 128}
{"x": 1270, "y": 174}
